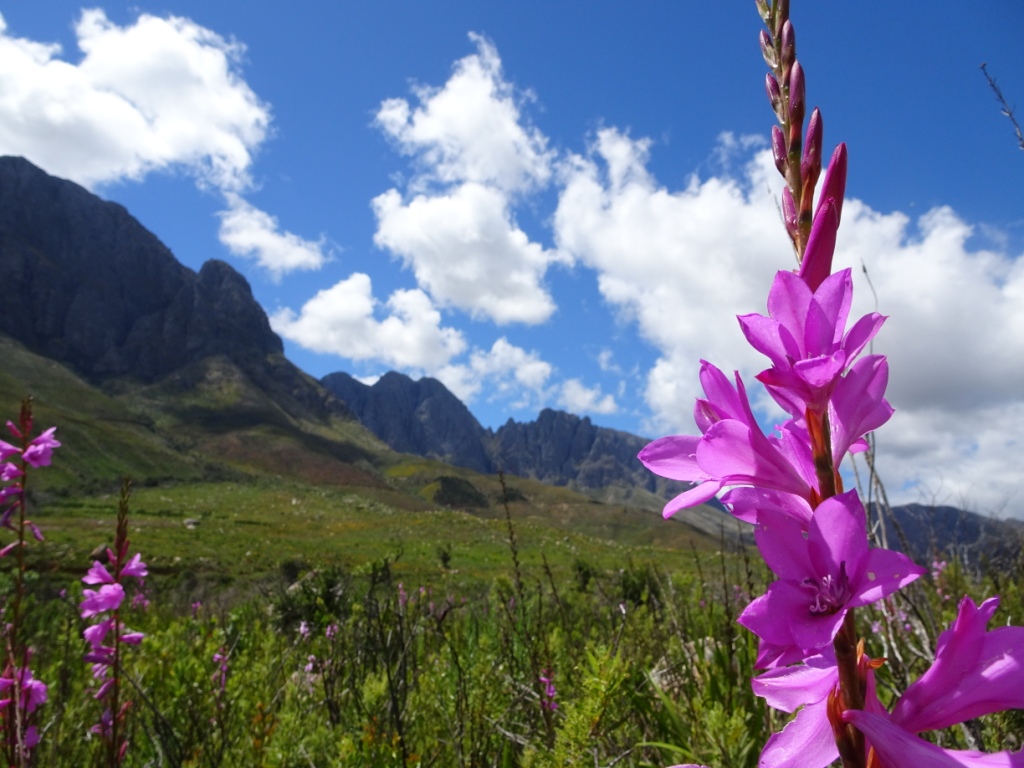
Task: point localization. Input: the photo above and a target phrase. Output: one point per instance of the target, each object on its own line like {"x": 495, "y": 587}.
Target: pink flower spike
{"x": 135, "y": 567}
{"x": 98, "y": 574}
{"x": 108, "y": 598}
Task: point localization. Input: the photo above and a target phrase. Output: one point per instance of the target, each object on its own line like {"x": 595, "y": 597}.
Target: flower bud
{"x": 789, "y": 212}
{"x": 810, "y": 167}
{"x": 781, "y": 16}
{"x": 788, "y": 39}
{"x": 771, "y": 58}
{"x": 779, "y": 150}
{"x": 796, "y": 95}
{"x": 764, "y": 10}
{"x": 834, "y": 185}
{"x": 771, "y": 87}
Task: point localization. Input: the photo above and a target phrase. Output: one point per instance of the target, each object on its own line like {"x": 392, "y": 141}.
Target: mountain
{"x": 420, "y": 417}
{"x": 558, "y": 448}
{"x": 193, "y": 354}
{"x": 134, "y": 311}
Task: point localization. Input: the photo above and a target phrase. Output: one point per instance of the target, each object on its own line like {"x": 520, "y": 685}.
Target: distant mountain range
{"x": 559, "y": 448}
{"x": 193, "y": 365}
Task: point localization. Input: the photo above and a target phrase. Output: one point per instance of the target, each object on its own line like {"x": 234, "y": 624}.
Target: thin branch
{"x": 1006, "y": 109}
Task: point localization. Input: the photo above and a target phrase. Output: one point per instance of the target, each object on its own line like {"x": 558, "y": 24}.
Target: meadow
{"x": 292, "y": 625}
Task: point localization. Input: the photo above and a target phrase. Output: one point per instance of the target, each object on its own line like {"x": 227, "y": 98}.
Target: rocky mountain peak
{"x": 88, "y": 285}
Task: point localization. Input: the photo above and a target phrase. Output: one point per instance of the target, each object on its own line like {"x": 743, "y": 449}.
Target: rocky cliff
{"x": 420, "y": 417}
{"x": 424, "y": 418}
{"x": 87, "y": 285}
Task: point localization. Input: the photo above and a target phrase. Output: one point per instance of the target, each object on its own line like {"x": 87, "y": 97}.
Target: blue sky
{"x": 562, "y": 204}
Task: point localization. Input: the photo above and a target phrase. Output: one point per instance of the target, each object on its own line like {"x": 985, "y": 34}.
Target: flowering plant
{"x": 108, "y": 635}
{"x": 22, "y": 693}
{"x": 811, "y": 533}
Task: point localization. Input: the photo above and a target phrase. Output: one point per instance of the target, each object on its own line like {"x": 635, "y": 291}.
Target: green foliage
{"x": 458, "y": 493}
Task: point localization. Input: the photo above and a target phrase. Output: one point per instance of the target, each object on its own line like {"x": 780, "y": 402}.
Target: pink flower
{"x": 135, "y": 567}
{"x": 732, "y": 449}
{"x": 40, "y": 450}
{"x": 98, "y": 574}
{"x": 33, "y": 692}
{"x": 804, "y": 338}
{"x": 108, "y": 598}
{"x": 895, "y": 746}
{"x": 976, "y": 672}
{"x": 821, "y": 575}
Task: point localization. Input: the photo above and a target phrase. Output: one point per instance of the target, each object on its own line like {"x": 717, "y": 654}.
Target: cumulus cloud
{"x": 576, "y": 397}
{"x": 507, "y": 371}
{"x": 160, "y": 94}
{"x": 682, "y": 264}
{"x": 342, "y": 320}
{"x": 475, "y": 154}
{"x": 251, "y": 233}
{"x": 472, "y": 129}
{"x": 465, "y": 251}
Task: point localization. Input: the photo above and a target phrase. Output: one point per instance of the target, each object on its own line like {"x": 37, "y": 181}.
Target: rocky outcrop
{"x": 563, "y": 449}
{"x": 424, "y": 418}
{"x": 420, "y": 417}
{"x": 86, "y": 284}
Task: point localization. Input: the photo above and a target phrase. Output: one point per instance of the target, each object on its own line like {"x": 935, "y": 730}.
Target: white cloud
{"x": 682, "y": 264}
{"x": 475, "y": 154}
{"x": 465, "y": 251}
{"x": 160, "y": 94}
{"x": 576, "y": 397}
{"x": 507, "y": 371}
{"x": 471, "y": 129}
{"x": 145, "y": 97}
{"x": 251, "y": 233}
{"x": 342, "y": 320}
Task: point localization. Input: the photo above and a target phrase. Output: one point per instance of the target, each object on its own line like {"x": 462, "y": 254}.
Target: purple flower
{"x": 732, "y": 449}
{"x": 548, "y": 701}
{"x": 98, "y": 574}
{"x": 33, "y": 692}
{"x": 135, "y": 567}
{"x": 821, "y": 575}
{"x": 40, "y": 450}
{"x": 804, "y": 338}
{"x": 976, "y": 672}
{"x": 896, "y": 746}
{"x": 95, "y": 634}
{"x": 858, "y": 406}
{"x": 108, "y": 598}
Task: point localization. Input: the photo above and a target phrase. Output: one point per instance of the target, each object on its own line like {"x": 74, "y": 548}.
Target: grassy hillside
{"x": 230, "y": 485}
